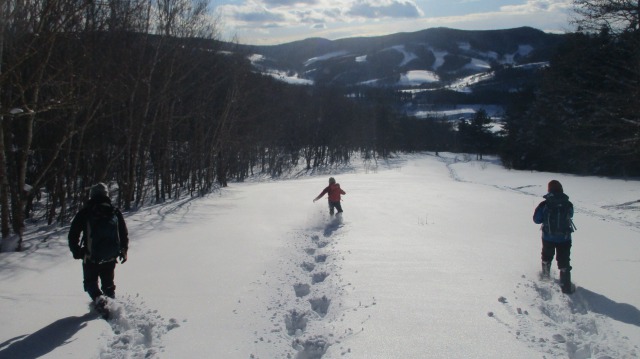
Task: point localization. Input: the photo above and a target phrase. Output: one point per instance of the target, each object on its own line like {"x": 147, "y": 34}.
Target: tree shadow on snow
{"x": 600, "y": 304}
{"x": 44, "y": 340}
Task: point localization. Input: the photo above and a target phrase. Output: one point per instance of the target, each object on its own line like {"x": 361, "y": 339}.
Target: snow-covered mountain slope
{"x": 450, "y": 54}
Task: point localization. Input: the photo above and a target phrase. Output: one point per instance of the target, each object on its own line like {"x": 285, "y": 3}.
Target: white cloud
{"x": 537, "y": 6}
{"x": 279, "y": 21}
{"x": 315, "y": 13}
{"x": 288, "y": 2}
{"x": 250, "y": 14}
{"x": 392, "y": 9}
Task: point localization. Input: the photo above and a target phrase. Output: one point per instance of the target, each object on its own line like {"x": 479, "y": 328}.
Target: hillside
{"x": 485, "y": 65}
{"x": 446, "y": 53}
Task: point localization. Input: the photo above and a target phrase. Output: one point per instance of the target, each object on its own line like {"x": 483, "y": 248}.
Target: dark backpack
{"x": 103, "y": 239}
{"x": 557, "y": 218}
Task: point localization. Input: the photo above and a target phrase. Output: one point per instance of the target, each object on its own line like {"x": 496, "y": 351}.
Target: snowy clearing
{"x": 434, "y": 257}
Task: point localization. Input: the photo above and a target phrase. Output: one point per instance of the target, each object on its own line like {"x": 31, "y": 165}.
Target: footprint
{"x": 320, "y": 305}
{"x": 295, "y": 322}
{"x": 319, "y": 277}
{"x": 312, "y": 348}
{"x": 308, "y": 266}
{"x": 302, "y": 290}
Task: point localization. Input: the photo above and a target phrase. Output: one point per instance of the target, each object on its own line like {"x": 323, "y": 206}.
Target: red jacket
{"x": 334, "y": 192}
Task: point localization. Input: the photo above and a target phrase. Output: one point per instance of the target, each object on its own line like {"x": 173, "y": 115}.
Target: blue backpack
{"x": 103, "y": 239}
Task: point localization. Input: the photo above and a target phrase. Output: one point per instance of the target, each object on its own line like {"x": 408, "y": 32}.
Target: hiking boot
{"x": 100, "y": 304}
{"x": 110, "y": 292}
{"x": 565, "y": 281}
{"x": 546, "y": 270}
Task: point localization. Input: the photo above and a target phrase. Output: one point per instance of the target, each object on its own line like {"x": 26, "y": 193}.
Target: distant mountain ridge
{"x": 428, "y": 58}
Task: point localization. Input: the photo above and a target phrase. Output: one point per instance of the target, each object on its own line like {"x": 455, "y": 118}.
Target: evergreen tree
{"x": 585, "y": 115}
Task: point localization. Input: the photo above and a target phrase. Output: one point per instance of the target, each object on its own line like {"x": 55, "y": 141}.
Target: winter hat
{"x": 554, "y": 186}
{"x": 332, "y": 180}
{"x": 99, "y": 190}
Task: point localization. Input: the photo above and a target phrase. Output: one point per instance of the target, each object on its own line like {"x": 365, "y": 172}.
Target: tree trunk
{"x": 20, "y": 195}
{"x": 4, "y": 182}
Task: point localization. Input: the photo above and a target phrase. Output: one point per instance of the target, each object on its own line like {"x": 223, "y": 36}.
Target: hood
{"x": 98, "y": 200}
{"x": 556, "y": 196}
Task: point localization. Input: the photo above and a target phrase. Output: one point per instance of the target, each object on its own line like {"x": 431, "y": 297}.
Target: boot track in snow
{"x": 136, "y": 331}
{"x": 560, "y": 325}
{"x": 308, "y": 317}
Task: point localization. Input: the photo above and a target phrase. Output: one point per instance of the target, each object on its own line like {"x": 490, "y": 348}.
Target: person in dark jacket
{"x": 557, "y": 242}
{"x": 94, "y": 269}
{"x": 334, "y": 191}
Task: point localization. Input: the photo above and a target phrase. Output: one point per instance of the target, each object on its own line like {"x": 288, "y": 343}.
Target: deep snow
{"x": 434, "y": 257}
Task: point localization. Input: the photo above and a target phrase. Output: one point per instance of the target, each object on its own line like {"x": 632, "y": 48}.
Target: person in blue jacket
{"x": 555, "y": 215}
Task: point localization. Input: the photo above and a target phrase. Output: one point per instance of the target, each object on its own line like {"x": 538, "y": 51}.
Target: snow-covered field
{"x": 460, "y": 111}
{"x": 435, "y": 257}
{"x": 417, "y": 78}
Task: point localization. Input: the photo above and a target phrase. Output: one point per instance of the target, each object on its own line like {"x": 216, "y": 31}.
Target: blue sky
{"x": 278, "y": 21}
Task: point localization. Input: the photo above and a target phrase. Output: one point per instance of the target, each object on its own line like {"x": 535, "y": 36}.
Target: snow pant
{"x": 562, "y": 251}
{"x": 334, "y": 206}
{"x": 103, "y": 271}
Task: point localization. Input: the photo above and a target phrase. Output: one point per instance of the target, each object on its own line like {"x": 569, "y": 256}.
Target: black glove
{"x": 122, "y": 256}
{"x": 78, "y": 253}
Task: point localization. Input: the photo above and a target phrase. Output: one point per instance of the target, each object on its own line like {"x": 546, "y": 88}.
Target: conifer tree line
{"x": 584, "y": 115}
{"x": 137, "y": 94}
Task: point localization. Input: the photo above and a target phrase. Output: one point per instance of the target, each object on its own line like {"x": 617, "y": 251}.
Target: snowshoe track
{"x": 305, "y": 319}
{"x": 136, "y": 330}
{"x": 568, "y": 329}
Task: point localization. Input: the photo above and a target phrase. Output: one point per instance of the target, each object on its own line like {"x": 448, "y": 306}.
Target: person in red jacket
{"x": 334, "y": 191}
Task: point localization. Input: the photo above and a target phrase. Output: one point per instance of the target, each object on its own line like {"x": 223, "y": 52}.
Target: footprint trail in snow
{"x": 136, "y": 330}
{"x": 307, "y": 313}
{"x": 560, "y": 325}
